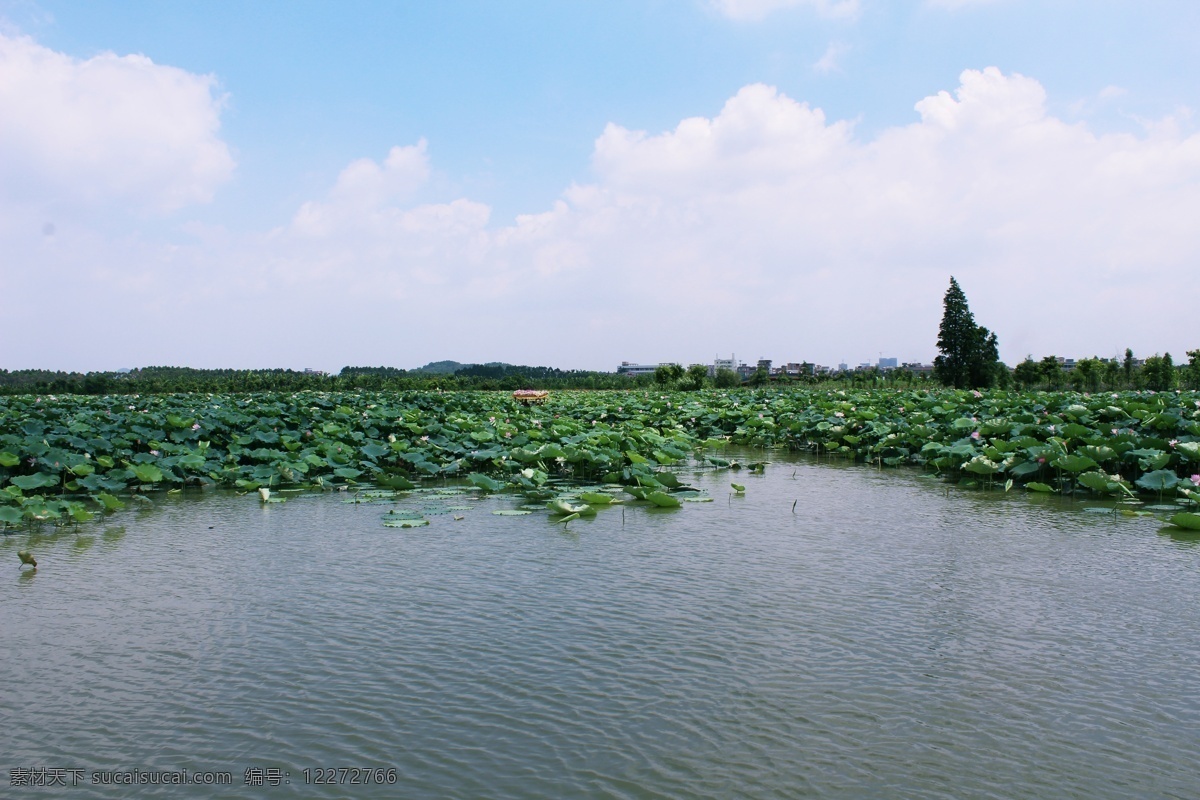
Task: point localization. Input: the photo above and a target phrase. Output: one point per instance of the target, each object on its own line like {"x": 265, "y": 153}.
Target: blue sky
{"x": 548, "y": 202}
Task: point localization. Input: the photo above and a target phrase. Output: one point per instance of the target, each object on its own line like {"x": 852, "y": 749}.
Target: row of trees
{"x": 166, "y": 380}
{"x": 695, "y": 377}
{"x": 970, "y": 359}
{"x": 1159, "y": 373}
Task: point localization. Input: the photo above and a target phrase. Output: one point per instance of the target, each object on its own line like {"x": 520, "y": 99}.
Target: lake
{"x": 886, "y": 637}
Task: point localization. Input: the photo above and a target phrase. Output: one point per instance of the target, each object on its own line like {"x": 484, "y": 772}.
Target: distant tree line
{"x": 1159, "y": 373}
{"x": 170, "y": 380}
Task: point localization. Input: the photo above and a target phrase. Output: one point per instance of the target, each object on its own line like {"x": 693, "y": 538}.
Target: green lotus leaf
{"x": 402, "y": 522}
{"x": 668, "y": 479}
{"x": 982, "y": 465}
{"x": 38, "y": 480}
{"x": 394, "y": 481}
{"x": 1098, "y": 482}
{"x": 1186, "y": 520}
{"x": 484, "y": 482}
{"x": 1076, "y": 431}
{"x": 374, "y": 451}
{"x": 192, "y": 461}
{"x": 563, "y": 507}
{"x": 1159, "y": 480}
{"x": 1099, "y": 454}
{"x": 147, "y": 473}
{"x": 663, "y": 500}
{"x": 1074, "y": 463}
{"x": 1189, "y": 450}
{"x": 79, "y": 514}
{"x": 110, "y": 502}
{"x": 1024, "y": 468}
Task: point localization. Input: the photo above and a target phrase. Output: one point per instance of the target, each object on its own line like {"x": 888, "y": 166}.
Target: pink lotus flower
{"x": 1173, "y": 442}
{"x": 1195, "y": 479}
{"x": 196, "y": 427}
{"x": 975, "y": 435}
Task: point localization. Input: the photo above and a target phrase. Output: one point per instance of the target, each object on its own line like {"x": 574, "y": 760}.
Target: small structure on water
{"x": 530, "y": 396}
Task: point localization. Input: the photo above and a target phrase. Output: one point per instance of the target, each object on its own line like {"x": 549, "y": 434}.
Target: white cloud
{"x": 754, "y": 10}
{"x": 830, "y": 60}
{"x": 106, "y": 128}
{"x": 769, "y": 215}
{"x": 367, "y": 192}
{"x": 766, "y": 229}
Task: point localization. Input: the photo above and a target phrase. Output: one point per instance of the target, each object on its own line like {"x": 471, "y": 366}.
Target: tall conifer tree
{"x": 969, "y": 352}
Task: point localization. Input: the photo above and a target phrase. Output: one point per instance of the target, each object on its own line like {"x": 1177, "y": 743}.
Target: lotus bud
{"x": 265, "y": 494}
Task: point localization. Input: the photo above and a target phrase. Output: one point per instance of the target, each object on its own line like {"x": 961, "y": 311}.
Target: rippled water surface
{"x": 889, "y": 638}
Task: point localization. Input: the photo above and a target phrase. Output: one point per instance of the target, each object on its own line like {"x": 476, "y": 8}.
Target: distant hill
{"x": 439, "y": 368}
{"x": 451, "y": 367}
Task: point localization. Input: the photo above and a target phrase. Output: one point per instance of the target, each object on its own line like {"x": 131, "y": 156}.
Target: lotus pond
{"x": 66, "y": 460}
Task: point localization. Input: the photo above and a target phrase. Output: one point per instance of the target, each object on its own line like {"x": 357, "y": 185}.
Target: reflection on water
{"x": 835, "y": 632}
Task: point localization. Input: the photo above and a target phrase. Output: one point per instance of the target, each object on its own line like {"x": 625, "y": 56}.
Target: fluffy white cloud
{"x": 366, "y": 193}
{"x": 754, "y": 10}
{"x": 816, "y": 244}
{"x": 766, "y": 229}
{"x": 106, "y": 128}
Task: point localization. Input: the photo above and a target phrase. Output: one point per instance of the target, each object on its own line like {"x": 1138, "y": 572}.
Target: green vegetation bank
{"x": 67, "y": 458}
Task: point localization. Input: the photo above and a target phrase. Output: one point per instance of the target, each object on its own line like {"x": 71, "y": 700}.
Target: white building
{"x": 633, "y": 370}
{"x": 730, "y": 364}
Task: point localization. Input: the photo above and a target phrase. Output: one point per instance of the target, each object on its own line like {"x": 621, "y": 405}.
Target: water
{"x": 888, "y": 639}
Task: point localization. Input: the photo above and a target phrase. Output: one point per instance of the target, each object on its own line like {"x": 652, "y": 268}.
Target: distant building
{"x": 311, "y": 371}
{"x": 842, "y": 367}
{"x": 765, "y": 365}
{"x": 633, "y": 370}
{"x": 888, "y": 363}
{"x": 730, "y": 364}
